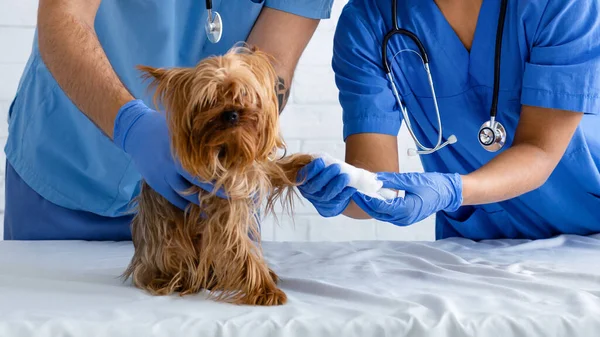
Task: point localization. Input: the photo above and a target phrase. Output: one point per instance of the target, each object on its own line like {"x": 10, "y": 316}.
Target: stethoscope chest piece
{"x": 214, "y": 26}
{"x": 492, "y": 136}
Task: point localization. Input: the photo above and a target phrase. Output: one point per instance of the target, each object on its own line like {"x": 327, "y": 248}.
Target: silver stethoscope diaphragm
{"x": 492, "y": 135}
{"x": 214, "y": 24}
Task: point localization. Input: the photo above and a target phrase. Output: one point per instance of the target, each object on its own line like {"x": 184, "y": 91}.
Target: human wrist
{"x": 468, "y": 189}
{"x": 126, "y": 118}
{"x": 353, "y": 211}
{"x": 457, "y": 188}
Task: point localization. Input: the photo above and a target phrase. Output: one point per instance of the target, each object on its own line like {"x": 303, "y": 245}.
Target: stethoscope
{"x": 214, "y": 24}
{"x": 492, "y": 135}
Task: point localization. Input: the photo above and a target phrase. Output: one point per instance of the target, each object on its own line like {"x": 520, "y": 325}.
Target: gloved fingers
{"x": 186, "y": 180}
{"x": 331, "y": 210}
{"x": 172, "y": 196}
{"x": 311, "y": 170}
{"x": 209, "y": 187}
{"x": 182, "y": 186}
{"x": 318, "y": 183}
{"x": 369, "y": 204}
{"x": 398, "y": 181}
{"x": 383, "y": 205}
{"x": 346, "y": 193}
{"x": 336, "y": 205}
{"x": 395, "y": 211}
{"x": 359, "y": 200}
{"x": 333, "y": 188}
{"x": 190, "y": 197}
{"x": 178, "y": 201}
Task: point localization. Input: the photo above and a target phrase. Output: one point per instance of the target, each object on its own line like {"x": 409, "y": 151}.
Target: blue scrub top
{"x": 550, "y": 59}
{"x": 59, "y": 153}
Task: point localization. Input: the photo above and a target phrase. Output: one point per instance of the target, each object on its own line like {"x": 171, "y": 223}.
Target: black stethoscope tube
{"x": 492, "y": 131}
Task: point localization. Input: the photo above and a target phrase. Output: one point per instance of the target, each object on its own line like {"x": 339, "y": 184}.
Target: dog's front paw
{"x": 271, "y": 297}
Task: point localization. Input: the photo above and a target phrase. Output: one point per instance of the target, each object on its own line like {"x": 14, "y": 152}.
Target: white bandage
{"x": 364, "y": 181}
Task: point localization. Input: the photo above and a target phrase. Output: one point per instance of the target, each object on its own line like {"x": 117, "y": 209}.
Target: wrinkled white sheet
{"x": 445, "y": 288}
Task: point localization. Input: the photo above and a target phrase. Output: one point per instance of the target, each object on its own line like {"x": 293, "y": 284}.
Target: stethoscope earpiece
{"x": 413, "y": 152}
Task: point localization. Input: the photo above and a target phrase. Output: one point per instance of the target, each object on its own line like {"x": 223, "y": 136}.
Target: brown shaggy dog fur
{"x": 216, "y": 246}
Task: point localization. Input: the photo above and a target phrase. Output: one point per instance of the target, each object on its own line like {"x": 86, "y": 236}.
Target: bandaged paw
{"x": 364, "y": 181}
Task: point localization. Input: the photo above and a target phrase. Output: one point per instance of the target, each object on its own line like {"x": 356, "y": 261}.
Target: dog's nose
{"x": 231, "y": 117}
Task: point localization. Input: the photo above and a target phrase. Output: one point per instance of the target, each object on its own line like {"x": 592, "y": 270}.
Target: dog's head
{"x": 222, "y": 114}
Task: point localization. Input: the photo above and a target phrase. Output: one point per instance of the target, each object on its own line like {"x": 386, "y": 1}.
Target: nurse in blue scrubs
{"x": 81, "y": 131}
{"x": 545, "y": 181}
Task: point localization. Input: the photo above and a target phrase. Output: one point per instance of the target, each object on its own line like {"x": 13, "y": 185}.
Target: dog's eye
{"x": 230, "y": 117}
{"x": 222, "y": 152}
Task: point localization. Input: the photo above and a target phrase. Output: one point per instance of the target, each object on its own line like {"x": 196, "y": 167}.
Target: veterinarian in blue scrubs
{"x": 81, "y": 133}
{"x": 544, "y": 181}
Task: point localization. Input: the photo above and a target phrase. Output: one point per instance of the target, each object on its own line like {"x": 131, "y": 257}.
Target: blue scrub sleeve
{"x": 365, "y": 95}
{"x": 312, "y": 9}
{"x": 563, "y": 71}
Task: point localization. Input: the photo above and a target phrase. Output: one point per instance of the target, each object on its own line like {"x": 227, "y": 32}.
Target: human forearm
{"x": 541, "y": 139}
{"x": 71, "y": 51}
{"x": 518, "y": 170}
{"x": 284, "y": 36}
{"x": 372, "y": 152}
{"x": 355, "y": 212}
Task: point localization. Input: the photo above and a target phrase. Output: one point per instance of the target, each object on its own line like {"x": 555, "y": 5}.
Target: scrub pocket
{"x": 10, "y": 108}
{"x": 477, "y": 223}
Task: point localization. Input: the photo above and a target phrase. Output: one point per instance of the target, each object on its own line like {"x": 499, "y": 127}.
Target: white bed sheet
{"x": 451, "y": 287}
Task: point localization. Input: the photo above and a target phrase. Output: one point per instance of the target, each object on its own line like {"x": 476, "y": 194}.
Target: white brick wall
{"x": 307, "y": 124}
{"x": 17, "y": 22}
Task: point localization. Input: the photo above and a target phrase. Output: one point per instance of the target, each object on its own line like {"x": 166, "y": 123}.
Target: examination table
{"x": 452, "y": 287}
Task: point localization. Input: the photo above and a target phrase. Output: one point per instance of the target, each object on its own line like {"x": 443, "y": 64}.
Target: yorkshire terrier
{"x": 223, "y": 117}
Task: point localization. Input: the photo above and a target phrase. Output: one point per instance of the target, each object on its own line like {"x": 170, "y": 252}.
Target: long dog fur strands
{"x": 215, "y": 246}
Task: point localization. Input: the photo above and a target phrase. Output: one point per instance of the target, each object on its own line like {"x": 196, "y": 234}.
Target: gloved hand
{"x": 143, "y": 134}
{"x": 425, "y": 194}
{"x": 325, "y": 187}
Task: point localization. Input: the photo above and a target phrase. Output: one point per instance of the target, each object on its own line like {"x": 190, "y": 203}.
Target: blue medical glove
{"x": 425, "y": 194}
{"x": 143, "y": 134}
{"x": 325, "y": 187}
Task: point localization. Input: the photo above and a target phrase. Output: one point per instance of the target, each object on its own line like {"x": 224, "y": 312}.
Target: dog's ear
{"x": 155, "y": 74}
{"x": 159, "y": 75}
{"x": 261, "y": 66}
{"x": 242, "y": 48}
{"x": 169, "y": 84}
